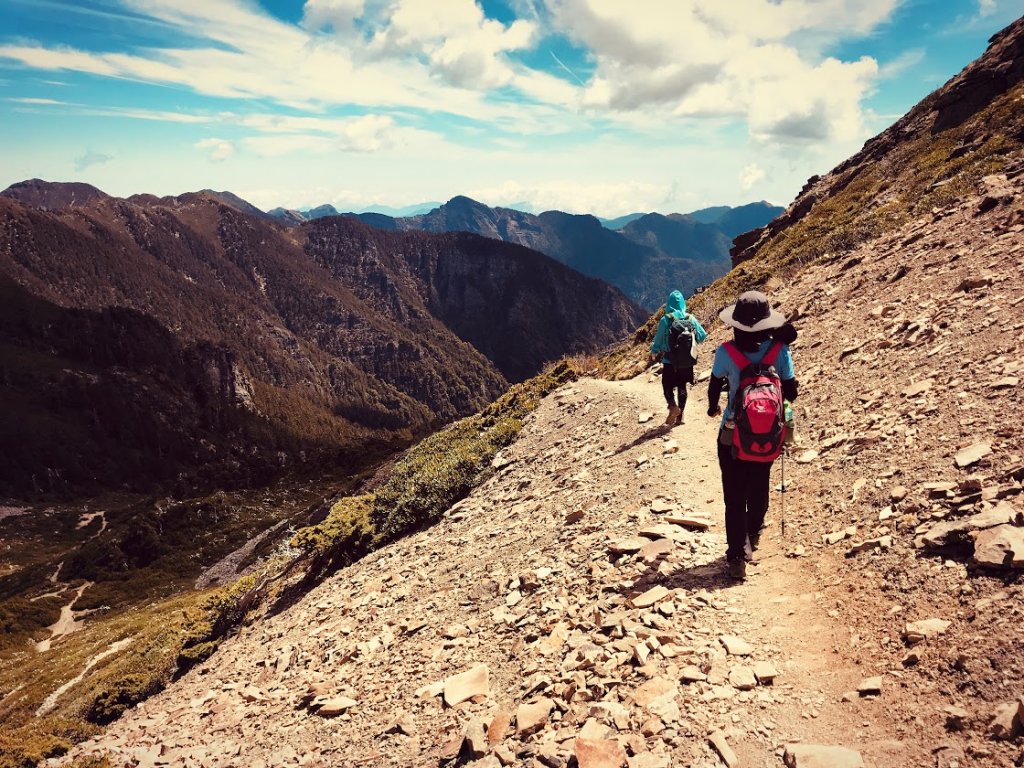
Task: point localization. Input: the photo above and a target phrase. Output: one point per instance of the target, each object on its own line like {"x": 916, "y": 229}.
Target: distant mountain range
{"x": 149, "y": 338}
{"x": 649, "y": 256}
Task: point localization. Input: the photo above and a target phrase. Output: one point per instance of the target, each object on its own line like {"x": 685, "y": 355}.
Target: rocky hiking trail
{"x": 573, "y": 608}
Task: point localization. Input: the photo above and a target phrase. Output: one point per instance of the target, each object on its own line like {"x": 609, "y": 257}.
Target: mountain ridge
{"x": 646, "y": 266}
{"x": 365, "y": 356}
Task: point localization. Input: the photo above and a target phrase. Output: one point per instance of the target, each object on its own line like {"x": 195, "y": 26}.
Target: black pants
{"x": 675, "y": 379}
{"x": 745, "y": 487}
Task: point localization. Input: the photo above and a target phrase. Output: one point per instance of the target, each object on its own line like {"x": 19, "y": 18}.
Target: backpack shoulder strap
{"x": 735, "y": 355}
{"x": 772, "y": 355}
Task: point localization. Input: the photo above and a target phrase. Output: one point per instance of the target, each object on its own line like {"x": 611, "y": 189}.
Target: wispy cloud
{"x": 90, "y": 159}
{"x": 750, "y": 176}
{"x": 217, "y": 150}
{"x": 36, "y": 101}
{"x": 898, "y": 66}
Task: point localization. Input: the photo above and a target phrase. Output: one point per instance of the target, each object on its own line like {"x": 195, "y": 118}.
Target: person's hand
{"x": 714, "y": 410}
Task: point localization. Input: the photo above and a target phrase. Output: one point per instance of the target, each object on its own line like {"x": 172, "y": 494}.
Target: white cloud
{"x": 750, "y": 176}
{"x": 461, "y": 45}
{"x": 571, "y": 196}
{"x": 90, "y": 159}
{"x": 31, "y": 100}
{"x": 217, "y": 149}
{"x": 370, "y": 133}
{"x": 987, "y": 7}
{"x": 336, "y": 15}
{"x": 898, "y": 66}
{"x": 743, "y": 60}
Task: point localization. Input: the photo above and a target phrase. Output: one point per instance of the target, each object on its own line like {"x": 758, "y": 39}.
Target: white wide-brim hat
{"x": 751, "y": 312}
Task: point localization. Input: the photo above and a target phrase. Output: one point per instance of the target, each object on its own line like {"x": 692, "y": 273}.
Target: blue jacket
{"x": 675, "y": 306}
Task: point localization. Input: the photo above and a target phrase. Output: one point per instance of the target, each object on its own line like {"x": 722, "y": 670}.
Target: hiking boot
{"x": 737, "y": 569}
{"x": 673, "y": 413}
{"x": 679, "y": 418}
{"x": 755, "y": 540}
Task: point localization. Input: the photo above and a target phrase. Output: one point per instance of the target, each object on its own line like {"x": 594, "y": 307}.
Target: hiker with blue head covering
{"x": 676, "y": 342}
{"x": 757, "y": 370}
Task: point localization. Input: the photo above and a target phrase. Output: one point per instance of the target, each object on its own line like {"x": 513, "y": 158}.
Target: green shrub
{"x": 431, "y": 477}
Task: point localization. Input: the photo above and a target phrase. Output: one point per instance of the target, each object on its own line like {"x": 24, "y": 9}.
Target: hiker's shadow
{"x": 709, "y": 576}
{"x": 658, "y": 431}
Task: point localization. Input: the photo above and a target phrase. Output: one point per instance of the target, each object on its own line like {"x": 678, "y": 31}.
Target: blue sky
{"x": 598, "y": 106}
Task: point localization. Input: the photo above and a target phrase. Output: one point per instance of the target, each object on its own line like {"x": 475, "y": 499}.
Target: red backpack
{"x": 758, "y": 407}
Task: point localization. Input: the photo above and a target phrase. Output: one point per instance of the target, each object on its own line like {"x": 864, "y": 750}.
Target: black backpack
{"x": 682, "y": 345}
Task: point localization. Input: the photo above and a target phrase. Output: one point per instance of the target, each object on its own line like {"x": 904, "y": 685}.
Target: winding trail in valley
{"x": 66, "y": 624}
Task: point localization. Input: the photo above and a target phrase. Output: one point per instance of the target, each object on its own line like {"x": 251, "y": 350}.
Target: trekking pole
{"x": 782, "y": 521}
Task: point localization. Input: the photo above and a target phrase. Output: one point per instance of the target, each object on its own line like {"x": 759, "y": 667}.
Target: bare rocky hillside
{"x": 182, "y": 341}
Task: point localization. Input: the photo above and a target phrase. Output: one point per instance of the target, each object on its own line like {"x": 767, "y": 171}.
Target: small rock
{"x": 807, "y": 456}
{"x": 870, "y": 686}
{"x": 1000, "y": 547}
{"x": 819, "y": 756}
{"x": 403, "y": 724}
{"x": 336, "y": 706}
{"x": 764, "y": 672}
{"x": 696, "y": 522}
{"x": 972, "y": 454}
{"x": 655, "y": 692}
{"x": 644, "y": 417}
{"x": 742, "y": 678}
{"x": 916, "y": 631}
{"x": 995, "y": 190}
{"x": 662, "y": 505}
{"x": 599, "y": 753}
{"x": 628, "y": 545}
{"x": 650, "y": 597}
{"x": 912, "y": 659}
{"x": 918, "y": 388}
{"x": 656, "y": 549}
{"x": 882, "y": 542}
{"x": 593, "y": 730}
{"x": 649, "y": 760}
{"x": 955, "y": 717}
{"x": 498, "y": 727}
{"x": 466, "y": 685}
{"x": 1005, "y": 725}
{"x": 835, "y": 537}
{"x": 474, "y": 742}
{"x": 723, "y": 749}
{"x": 1007, "y": 382}
{"x": 533, "y": 717}
{"x": 899, "y": 493}
{"x": 736, "y": 646}
{"x": 692, "y": 674}
{"x": 505, "y": 755}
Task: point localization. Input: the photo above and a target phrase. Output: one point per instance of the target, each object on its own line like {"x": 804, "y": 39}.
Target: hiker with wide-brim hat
{"x": 757, "y": 369}
{"x": 675, "y": 343}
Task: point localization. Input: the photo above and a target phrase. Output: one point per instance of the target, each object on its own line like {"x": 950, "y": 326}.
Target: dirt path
{"x": 86, "y": 519}
{"x": 543, "y": 577}
{"x": 51, "y": 701}
{"x": 66, "y": 624}
{"x": 779, "y": 607}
